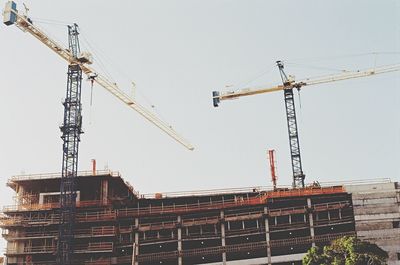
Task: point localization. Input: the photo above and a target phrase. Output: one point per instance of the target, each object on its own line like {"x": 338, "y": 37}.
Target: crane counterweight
{"x": 9, "y": 15}
{"x": 216, "y": 99}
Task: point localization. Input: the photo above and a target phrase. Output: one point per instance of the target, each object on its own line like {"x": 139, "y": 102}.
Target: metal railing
{"x": 79, "y": 248}
{"x": 55, "y": 219}
{"x": 52, "y": 205}
{"x": 101, "y": 231}
{"x": 134, "y": 212}
{"x": 259, "y": 188}
{"x": 255, "y": 189}
{"x": 87, "y": 173}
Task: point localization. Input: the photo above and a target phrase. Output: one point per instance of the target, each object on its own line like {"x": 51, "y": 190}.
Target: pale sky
{"x": 177, "y": 53}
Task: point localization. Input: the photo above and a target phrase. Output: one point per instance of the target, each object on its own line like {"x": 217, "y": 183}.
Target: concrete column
{"x": 180, "y": 261}
{"x": 20, "y": 194}
{"x": 104, "y": 191}
{"x": 223, "y": 243}
{"x": 136, "y": 245}
{"x": 41, "y": 198}
{"x": 310, "y": 217}
{"x": 267, "y": 236}
{"x": 133, "y": 253}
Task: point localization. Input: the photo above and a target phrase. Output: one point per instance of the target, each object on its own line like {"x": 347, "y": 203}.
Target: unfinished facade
{"x": 114, "y": 225}
{"x": 377, "y": 216}
{"x": 231, "y": 226}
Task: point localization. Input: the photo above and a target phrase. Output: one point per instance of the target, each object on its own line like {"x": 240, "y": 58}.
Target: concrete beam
{"x": 223, "y": 243}
{"x": 267, "y": 235}
{"x": 311, "y": 219}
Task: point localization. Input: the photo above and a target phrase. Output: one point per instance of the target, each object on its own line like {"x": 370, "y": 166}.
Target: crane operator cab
{"x": 85, "y": 57}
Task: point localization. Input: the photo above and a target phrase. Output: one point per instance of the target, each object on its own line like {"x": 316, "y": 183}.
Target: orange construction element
{"x": 271, "y": 155}
{"x": 260, "y": 199}
{"x": 307, "y": 191}
{"x": 238, "y": 201}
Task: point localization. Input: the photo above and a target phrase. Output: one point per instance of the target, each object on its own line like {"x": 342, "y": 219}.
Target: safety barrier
{"x": 111, "y": 215}
{"x": 101, "y": 231}
{"x": 78, "y": 248}
{"x": 51, "y": 206}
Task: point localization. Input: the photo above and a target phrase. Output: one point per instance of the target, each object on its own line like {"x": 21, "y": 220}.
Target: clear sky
{"x": 177, "y": 53}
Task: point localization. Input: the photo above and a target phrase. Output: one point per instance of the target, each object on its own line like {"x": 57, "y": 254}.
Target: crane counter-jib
{"x": 11, "y": 16}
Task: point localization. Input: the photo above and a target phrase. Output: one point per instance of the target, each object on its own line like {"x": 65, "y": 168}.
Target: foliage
{"x": 346, "y": 251}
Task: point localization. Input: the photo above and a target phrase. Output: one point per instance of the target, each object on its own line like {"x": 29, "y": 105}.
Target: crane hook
{"x": 91, "y": 78}
{"x": 298, "y": 93}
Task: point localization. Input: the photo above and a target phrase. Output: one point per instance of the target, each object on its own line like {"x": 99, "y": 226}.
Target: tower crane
{"x": 78, "y": 63}
{"x": 287, "y": 87}
{"x": 83, "y": 60}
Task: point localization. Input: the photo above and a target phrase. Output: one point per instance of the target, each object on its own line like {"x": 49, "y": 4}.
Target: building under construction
{"x": 116, "y": 225}
{"x": 97, "y": 218}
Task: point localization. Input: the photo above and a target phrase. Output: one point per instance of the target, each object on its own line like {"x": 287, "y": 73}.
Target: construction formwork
{"x": 116, "y": 225}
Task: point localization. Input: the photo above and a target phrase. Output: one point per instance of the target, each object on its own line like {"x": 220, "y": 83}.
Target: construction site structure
{"x": 272, "y": 167}
{"x": 289, "y": 83}
{"x": 117, "y": 225}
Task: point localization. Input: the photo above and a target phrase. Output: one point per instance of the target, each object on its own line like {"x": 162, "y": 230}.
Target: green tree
{"x": 347, "y": 250}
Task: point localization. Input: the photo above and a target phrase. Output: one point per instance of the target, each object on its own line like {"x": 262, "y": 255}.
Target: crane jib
{"x": 11, "y": 16}
{"x": 288, "y": 85}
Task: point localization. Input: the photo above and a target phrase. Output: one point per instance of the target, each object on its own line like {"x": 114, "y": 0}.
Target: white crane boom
{"x": 217, "y": 96}
{"x": 11, "y": 16}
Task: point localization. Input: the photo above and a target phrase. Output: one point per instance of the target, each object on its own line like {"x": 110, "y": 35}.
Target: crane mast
{"x": 288, "y": 85}
{"x": 297, "y": 168}
{"x": 71, "y": 131}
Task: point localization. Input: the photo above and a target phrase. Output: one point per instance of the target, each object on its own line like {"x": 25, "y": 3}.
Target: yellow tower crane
{"x": 287, "y": 87}
{"x": 84, "y": 59}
